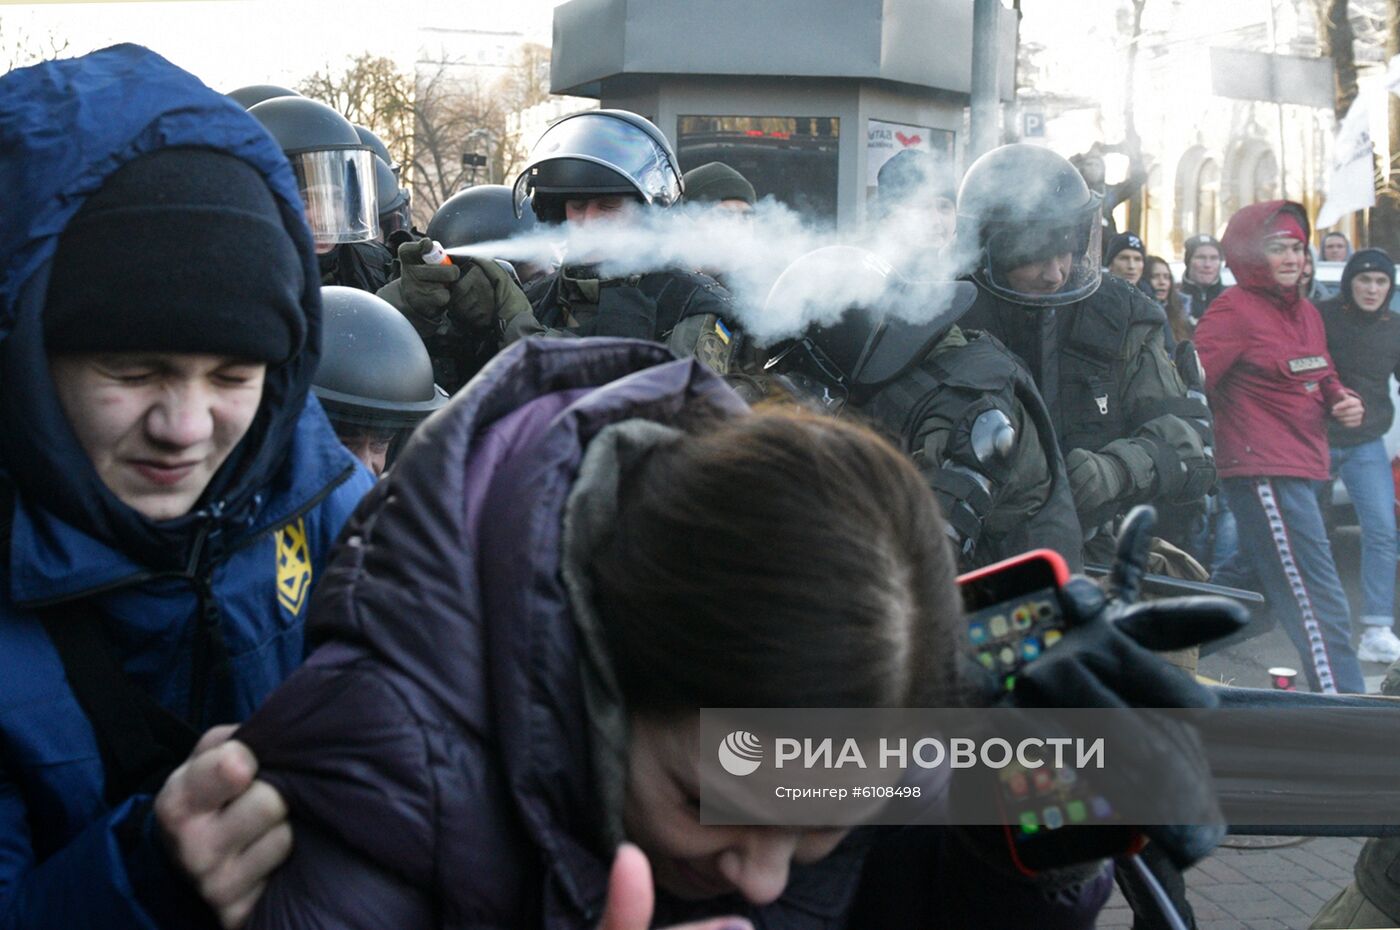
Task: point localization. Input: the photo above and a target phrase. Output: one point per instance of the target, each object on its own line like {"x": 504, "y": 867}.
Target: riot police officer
{"x": 395, "y": 217}
{"x": 335, "y": 173}
{"x": 395, "y": 213}
{"x": 1029, "y": 226}
{"x": 956, "y": 401}
{"x": 605, "y": 166}
{"x": 375, "y": 379}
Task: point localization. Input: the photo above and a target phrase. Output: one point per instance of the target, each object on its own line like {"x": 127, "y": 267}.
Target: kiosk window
{"x": 792, "y": 159}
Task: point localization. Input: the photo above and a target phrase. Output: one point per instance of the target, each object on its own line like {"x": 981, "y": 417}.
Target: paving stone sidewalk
{"x": 1259, "y": 889}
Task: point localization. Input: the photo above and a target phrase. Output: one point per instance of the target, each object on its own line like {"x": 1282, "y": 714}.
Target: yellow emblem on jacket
{"x": 293, "y": 566}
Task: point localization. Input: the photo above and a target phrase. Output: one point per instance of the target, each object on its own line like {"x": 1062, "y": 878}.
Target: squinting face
{"x": 1368, "y": 290}
{"x": 1285, "y": 257}
{"x": 157, "y": 425}
{"x": 690, "y": 860}
{"x": 1334, "y": 249}
{"x": 1205, "y": 265}
{"x": 1127, "y": 265}
{"x": 1046, "y": 276}
{"x": 610, "y": 207}
{"x": 1160, "y": 280}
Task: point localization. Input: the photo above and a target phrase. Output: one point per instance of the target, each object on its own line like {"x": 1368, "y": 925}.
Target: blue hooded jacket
{"x": 241, "y": 563}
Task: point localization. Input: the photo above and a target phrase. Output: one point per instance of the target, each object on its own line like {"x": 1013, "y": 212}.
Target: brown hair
{"x": 780, "y": 559}
{"x": 1176, "y": 313}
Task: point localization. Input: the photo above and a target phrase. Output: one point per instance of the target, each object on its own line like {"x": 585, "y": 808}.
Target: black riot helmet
{"x": 1022, "y": 205}
{"x": 334, "y": 169}
{"x": 377, "y": 146}
{"x": 596, "y": 153}
{"x": 375, "y": 374}
{"x": 393, "y": 201}
{"x": 869, "y": 323}
{"x": 483, "y": 213}
{"x": 254, "y": 94}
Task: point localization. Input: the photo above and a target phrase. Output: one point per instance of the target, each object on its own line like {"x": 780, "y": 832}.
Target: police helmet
{"x": 867, "y": 324}
{"x": 597, "y": 153}
{"x": 911, "y": 175}
{"x": 393, "y": 201}
{"x": 334, "y": 169}
{"x": 377, "y": 146}
{"x": 484, "y": 213}
{"x": 254, "y": 94}
{"x": 375, "y": 375}
{"x": 1022, "y": 205}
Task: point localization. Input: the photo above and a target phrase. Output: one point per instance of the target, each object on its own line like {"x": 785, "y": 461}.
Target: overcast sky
{"x": 230, "y": 43}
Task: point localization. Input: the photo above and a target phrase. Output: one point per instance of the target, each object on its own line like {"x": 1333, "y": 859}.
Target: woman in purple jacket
{"x": 584, "y": 547}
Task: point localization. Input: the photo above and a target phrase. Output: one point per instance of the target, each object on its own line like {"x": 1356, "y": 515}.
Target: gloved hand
{"x": 1103, "y": 661}
{"x": 1099, "y": 480}
{"x": 485, "y": 297}
{"x": 1184, "y": 469}
{"x": 424, "y": 291}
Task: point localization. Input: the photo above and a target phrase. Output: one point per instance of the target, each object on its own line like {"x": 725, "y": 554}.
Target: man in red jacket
{"x": 1272, "y": 388}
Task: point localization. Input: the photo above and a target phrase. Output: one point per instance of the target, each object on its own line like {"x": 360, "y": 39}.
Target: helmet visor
{"x": 337, "y": 187}
{"x": 396, "y": 220}
{"x": 1045, "y": 264}
{"x": 613, "y": 143}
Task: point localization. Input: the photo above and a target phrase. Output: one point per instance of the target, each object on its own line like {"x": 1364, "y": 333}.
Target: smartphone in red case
{"x": 1050, "y": 817}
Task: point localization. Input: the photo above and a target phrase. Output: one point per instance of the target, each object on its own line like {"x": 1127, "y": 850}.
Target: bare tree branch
{"x": 18, "y": 48}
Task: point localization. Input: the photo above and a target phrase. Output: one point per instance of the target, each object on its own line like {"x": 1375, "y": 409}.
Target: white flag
{"x": 1350, "y": 184}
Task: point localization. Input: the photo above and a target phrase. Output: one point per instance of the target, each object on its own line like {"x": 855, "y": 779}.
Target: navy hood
{"x": 1368, "y": 260}
{"x": 65, "y": 128}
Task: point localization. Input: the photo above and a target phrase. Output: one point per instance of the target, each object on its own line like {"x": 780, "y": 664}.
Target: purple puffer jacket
{"x": 433, "y": 749}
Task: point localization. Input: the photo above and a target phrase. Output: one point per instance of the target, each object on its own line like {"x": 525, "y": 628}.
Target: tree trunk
{"x": 1338, "y": 40}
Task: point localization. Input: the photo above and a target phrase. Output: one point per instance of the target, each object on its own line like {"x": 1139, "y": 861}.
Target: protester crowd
{"x": 348, "y": 584}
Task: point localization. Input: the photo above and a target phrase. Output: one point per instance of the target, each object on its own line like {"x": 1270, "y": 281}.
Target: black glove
{"x": 424, "y": 290}
{"x": 1103, "y": 661}
{"x": 485, "y": 297}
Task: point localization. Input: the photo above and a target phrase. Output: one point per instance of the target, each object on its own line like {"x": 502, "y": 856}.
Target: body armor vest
{"x": 951, "y": 383}
{"x": 1086, "y": 348}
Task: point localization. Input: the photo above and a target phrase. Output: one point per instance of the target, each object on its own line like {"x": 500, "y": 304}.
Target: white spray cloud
{"x": 869, "y": 267}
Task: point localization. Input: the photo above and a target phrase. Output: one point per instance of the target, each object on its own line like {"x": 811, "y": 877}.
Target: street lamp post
{"x": 474, "y": 159}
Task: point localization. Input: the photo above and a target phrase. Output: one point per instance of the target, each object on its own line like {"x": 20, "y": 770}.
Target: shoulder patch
{"x": 293, "y": 566}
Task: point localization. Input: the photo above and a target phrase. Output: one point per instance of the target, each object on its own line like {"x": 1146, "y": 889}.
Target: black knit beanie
{"x": 1367, "y": 260}
{"x": 714, "y": 182}
{"x": 1122, "y": 242}
{"x": 181, "y": 250}
{"x": 1195, "y": 242}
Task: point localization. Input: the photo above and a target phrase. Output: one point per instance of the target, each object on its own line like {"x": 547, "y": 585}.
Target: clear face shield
{"x": 1045, "y": 264}
{"x": 338, "y": 189}
{"x": 612, "y": 143}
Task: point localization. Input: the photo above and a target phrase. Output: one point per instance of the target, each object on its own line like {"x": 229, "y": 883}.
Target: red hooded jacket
{"x": 1269, "y": 379}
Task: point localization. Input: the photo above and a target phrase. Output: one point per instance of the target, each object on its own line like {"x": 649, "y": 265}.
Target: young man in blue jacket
{"x": 168, "y": 492}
